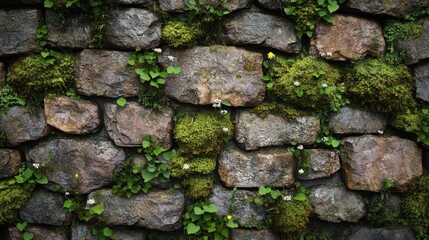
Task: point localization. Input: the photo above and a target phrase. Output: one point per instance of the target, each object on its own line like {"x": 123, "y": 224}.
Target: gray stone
{"x": 274, "y": 4}
{"x": 26, "y": 2}
{"x": 180, "y": 5}
{"x": 45, "y": 207}
{"x": 348, "y": 38}
{"x": 392, "y": 233}
{"x": 144, "y": 3}
{"x": 324, "y": 163}
{"x": 75, "y": 116}
{"x": 69, "y": 30}
{"x": 10, "y": 162}
{"x": 349, "y": 120}
{"x": 83, "y": 232}
{"x": 336, "y": 204}
{"x": 172, "y": 5}
{"x": 245, "y": 213}
{"x": 416, "y": 48}
{"x": 368, "y": 161}
{"x": 268, "y": 167}
{"x": 250, "y": 234}
{"x": 233, "y": 5}
{"x": 421, "y": 73}
{"x": 40, "y": 233}
{"x": 224, "y": 72}
{"x": 106, "y": 74}
{"x": 93, "y": 159}
{"x": 18, "y": 31}
{"x": 22, "y": 124}
{"x": 128, "y": 125}
{"x": 158, "y": 210}
{"x": 253, "y": 132}
{"x": 133, "y": 28}
{"x": 255, "y": 28}
{"x": 397, "y": 8}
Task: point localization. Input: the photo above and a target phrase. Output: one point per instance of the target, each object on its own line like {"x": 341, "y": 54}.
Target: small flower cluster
{"x": 217, "y": 103}
{"x": 297, "y": 84}
{"x": 36, "y": 165}
{"x": 328, "y": 54}
{"x": 157, "y": 50}
{"x": 287, "y": 198}
{"x": 271, "y": 55}
{"x": 185, "y": 166}
{"x": 90, "y": 201}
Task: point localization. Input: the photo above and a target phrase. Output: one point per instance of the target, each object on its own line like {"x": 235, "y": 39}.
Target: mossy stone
{"x": 198, "y": 186}
{"x": 291, "y": 217}
{"x": 178, "y": 33}
{"x": 12, "y": 198}
{"x": 193, "y": 166}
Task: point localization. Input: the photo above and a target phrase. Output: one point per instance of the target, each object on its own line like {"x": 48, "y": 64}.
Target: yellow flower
{"x": 229, "y": 217}
{"x": 76, "y": 176}
{"x": 271, "y": 55}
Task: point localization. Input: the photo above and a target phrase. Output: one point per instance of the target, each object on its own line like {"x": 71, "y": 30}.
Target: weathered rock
{"x": 159, "y": 210}
{"x": 397, "y": 8}
{"x": 133, "y": 28}
{"x": 128, "y": 125}
{"x": 273, "y": 4}
{"x": 348, "y": 38}
{"x": 144, "y": 3}
{"x": 393, "y": 233}
{"x": 271, "y": 167}
{"x": 106, "y": 74}
{"x": 336, "y": 204}
{"x": 10, "y": 162}
{"x": 416, "y": 48}
{"x": 224, "y": 72}
{"x": 324, "y": 163}
{"x": 83, "y": 232}
{"x": 93, "y": 159}
{"x": 18, "y": 31}
{"x": 255, "y": 28}
{"x": 40, "y": 233}
{"x": 349, "y": 120}
{"x": 368, "y": 161}
{"x": 180, "y": 5}
{"x": 75, "y": 116}
{"x": 45, "y": 207}
{"x": 246, "y": 214}
{"x": 22, "y": 124}
{"x": 172, "y": 5}
{"x": 253, "y": 132}
{"x": 250, "y": 234}
{"x": 68, "y": 30}
{"x": 234, "y": 5}
{"x": 421, "y": 73}
{"x": 27, "y": 2}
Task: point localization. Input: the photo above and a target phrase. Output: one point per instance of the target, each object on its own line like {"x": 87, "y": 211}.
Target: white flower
{"x": 171, "y": 58}
{"x": 223, "y": 112}
{"x": 217, "y": 103}
{"x": 90, "y": 201}
{"x": 287, "y": 198}
{"x": 325, "y": 139}
{"x": 329, "y": 54}
{"x": 158, "y": 50}
{"x": 67, "y": 193}
{"x": 36, "y": 165}
{"x": 324, "y": 85}
{"x": 301, "y": 171}
{"x": 185, "y": 166}
{"x": 225, "y": 129}
{"x": 300, "y": 147}
{"x": 322, "y": 54}
{"x": 296, "y": 84}
{"x": 380, "y": 132}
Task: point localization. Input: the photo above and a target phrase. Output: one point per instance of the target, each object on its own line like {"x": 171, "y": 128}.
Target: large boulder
{"x": 251, "y": 234}
{"x": 223, "y": 73}
{"x": 128, "y": 125}
{"x": 18, "y": 31}
{"x": 80, "y": 165}
{"x": 22, "y": 124}
{"x": 397, "y": 8}
{"x": 416, "y": 48}
{"x": 421, "y": 73}
{"x": 348, "y": 38}
{"x": 253, "y": 132}
{"x": 158, "y": 210}
{"x": 39, "y": 233}
{"x": 10, "y": 162}
{"x": 369, "y": 161}
{"x": 255, "y": 28}
{"x": 323, "y": 163}
{"x": 106, "y": 74}
{"x": 83, "y": 232}
{"x": 391, "y": 233}
{"x": 349, "y": 120}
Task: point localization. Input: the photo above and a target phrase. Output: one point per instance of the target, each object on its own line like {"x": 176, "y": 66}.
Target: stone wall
{"x": 82, "y": 141}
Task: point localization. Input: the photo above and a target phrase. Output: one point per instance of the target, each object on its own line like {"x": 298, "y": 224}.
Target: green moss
{"x": 310, "y": 73}
{"x": 202, "y": 134}
{"x": 278, "y": 109}
{"x": 408, "y": 121}
{"x": 291, "y": 217}
{"x": 198, "y": 187}
{"x": 33, "y": 79}
{"x": 179, "y": 33}
{"x": 8, "y": 98}
{"x": 12, "y": 198}
{"x": 382, "y": 87}
{"x": 196, "y": 166}
{"x": 415, "y": 206}
{"x": 381, "y": 215}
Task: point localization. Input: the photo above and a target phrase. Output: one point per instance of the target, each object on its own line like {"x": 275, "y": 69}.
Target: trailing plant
{"x": 207, "y": 10}
{"x": 8, "y": 98}
{"x": 31, "y": 175}
{"x": 303, "y": 156}
{"x": 12, "y": 197}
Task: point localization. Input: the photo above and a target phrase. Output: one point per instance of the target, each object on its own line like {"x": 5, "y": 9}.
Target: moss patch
{"x": 179, "y": 33}
{"x": 278, "y": 109}
{"x": 12, "y": 198}
{"x": 291, "y": 217}
{"x": 198, "y": 187}
{"x": 183, "y": 167}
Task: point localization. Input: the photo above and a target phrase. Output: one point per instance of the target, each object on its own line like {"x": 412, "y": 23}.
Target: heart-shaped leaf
{"x": 21, "y": 226}
{"x": 48, "y": 4}
{"x": 198, "y": 211}
{"x": 44, "y": 54}
{"x": 300, "y": 197}
{"x": 153, "y": 74}
{"x": 192, "y": 228}
{"x": 211, "y": 208}
{"x": 27, "y": 236}
{"x": 121, "y": 102}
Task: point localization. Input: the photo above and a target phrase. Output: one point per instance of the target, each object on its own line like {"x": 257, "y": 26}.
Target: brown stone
{"x": 397, "y": 8}
{"x": 252, "y": 234}
{"x": 10, "y": 162}
{"x": 323, "y": 163}
{"x": 40, "y": 233}
{"x": 415, "y": 48}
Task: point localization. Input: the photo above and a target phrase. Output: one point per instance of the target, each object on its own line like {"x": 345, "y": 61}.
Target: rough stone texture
{"x": 255, "y": 28}
{"x": 40, "y": 233}
{"x": 159, "y": 210}
{"x": 45, "y": 207}
{"x": 271, "y": 167}
{"x": 22, "y": 124}
{"x": 27, "y": 2}
{"x": 397, "y": 8}
{"x": 415, "y": 48}
{"x": 75, "y": 116}
{"x": 273, "y": 4}
{"x": 144, "y": 3}
{"x": 368, "y": 161}
{"x": 253, "y": 132}
{"x": 224, "y": 72}
{"x": 247, "y": 214}
{"x": 75, "y": 32}
{"x": 133, "y": 28}
{"x": 128, "y": 125}
{"x": 83, "y": 232}
{"x": 336, "y": 204}
{"x": 421, "y": 73}
{"x": 180, "y": 5}
{"x": 18, "y": 31}
{"x": 93, "y": 159}
{"x": 348, "y": 38}
{"x": 10, "y": 162}
{"x": 234, "y": 5}
{"x": 324, "y": 163}
{"x": 106, "y": 74}
{"x": 250, "y": 234}
{"x": 393, "y": 233}
{"x": 172, "y": 5}
{"x": 349, "y": 120}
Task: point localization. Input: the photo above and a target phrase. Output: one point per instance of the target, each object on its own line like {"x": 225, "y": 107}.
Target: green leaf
{"x": 258, "y": 201}
{"x": 275, "y": 194}
{"x": 44, "y": 54}
{"x": 329, "y": 18}
{"x": 42, "y": 180}
{"x": 270, "y": 85}
{"x": 121, "y": 101}
{"x": 154, "y": 84}
{"x": 425, "y": 110}
{"x": 27, "y": 173}
{"x": 48, "y": 4}
{"x": 143, "y": 74}
{"x": 231, "y": 224}
{"x": 320, "y": 2}
{"x": 299, "y": 92}
{"x": 107, "y": 232}
{"x": 98, "y": 209}
{"x": 192, "y": 228}
{"x": 263, "y": 190}
{"x": 198, "y": 211}
{"x": 68, "y": 203}
{"x": 153, "y": 74}
{"x": 289, "y": 10}
{"x": 132, "y": 62}
{"x": 21, "y": 226}
{"x": 211, "y": 208}
{"x": 173, "y": 70}
{"x": 27, "y": 236}
{"x": 332, "y": 7}
{"x": 300, "y": 197}
{"x": 226, "y": 102}
{"x": 147, "y": 176}
{"x": 160, "y": 81}
{"x": 158, "y": 150}
{"x": 169, "y": 155}
{"x": 335, "y": 143}
{"x": 330, "y": 89}
{"x": 267, "y": 77}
